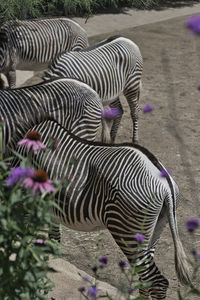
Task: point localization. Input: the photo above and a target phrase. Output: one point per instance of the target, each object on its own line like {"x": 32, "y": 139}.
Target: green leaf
{"x": 179, "y": 295}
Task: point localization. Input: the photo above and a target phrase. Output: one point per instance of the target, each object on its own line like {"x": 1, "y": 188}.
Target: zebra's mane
{"x": 97, "y": 45}
{"x": 46, "y": 118}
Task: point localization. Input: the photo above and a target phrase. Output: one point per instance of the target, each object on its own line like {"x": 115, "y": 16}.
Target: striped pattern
{"x": 32, "y": 44}
{"x": 117, "y": 187}
{"x": 112, "y": 67}
{"x": 71, "y": 102}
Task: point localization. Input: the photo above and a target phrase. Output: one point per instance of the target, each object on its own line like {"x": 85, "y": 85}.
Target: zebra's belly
{"x": 110, "y": 98}
{"x": 87, "y": 225}
{"x": 31, "y": 66}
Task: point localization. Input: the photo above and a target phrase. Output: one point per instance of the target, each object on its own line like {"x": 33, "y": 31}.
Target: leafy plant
{"x": 20, "y": 9}
{"x": 25, "y": 222}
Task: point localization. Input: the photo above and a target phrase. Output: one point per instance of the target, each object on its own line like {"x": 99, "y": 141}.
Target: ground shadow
{"x": 161, "y": 6}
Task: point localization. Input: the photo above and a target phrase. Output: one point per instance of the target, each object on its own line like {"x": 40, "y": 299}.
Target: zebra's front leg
{"x": 55, "y": 230}
{"x": 11, "y": 77}
{"x": 117, "y": 119}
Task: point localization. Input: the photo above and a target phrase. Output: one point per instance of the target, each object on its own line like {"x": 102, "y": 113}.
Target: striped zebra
{"x": 119, "y": 188}
{"x": 72, "y": 103}
{"x": 111, "y": 67}
{"x": 32, "y": 44}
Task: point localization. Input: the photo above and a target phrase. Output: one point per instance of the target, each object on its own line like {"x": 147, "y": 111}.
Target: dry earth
{"x": 171, "y": 131}
{"x": 170, "y": 78}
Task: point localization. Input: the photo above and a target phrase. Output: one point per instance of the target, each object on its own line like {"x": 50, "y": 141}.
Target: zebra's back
{"x": 118, "y": 187}
{"x": 105, "y": 66}
{"x": 71, "y": 102}
{"x": 41, "y": 40}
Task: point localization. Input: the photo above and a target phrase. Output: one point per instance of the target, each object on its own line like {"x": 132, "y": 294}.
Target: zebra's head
{"x": 3, "y": 49}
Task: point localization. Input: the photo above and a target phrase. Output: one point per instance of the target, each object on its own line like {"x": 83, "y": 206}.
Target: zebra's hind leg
{"x": 151, "y": 274}
{"x": 132, "y": 94}
{"x": 117, "y": 119}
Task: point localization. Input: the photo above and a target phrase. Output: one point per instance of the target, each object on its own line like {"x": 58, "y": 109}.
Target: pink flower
{"x": 32, "y": 140}
{"x": 39, "y": 242}
{"x": 39, "y": 182}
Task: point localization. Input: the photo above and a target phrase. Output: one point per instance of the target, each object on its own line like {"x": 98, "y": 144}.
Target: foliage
{"x": 20, "y": 9}
{"x": 25, "y": 222}
{"x": 25, "y": 9}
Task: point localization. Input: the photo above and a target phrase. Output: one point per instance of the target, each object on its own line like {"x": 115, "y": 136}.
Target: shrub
{"x": 20, "y": 9}
{"x": 25, "y": 221}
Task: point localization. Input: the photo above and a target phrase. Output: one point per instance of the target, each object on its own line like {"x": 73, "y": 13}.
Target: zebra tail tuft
{"x": 181, "y": 261}
{"x": 181, "y": 264}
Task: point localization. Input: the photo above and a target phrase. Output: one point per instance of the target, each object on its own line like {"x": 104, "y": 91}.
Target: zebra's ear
{"x": 3, "y": 37}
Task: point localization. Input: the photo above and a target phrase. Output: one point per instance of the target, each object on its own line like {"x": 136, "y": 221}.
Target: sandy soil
{"x": 170, "y": 131}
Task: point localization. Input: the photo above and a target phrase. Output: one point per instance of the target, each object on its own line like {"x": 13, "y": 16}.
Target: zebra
{"x": 117, "y": 187}
{"x": 32, "y": 44}
{"x": 110, "y": 67}
{"x": 71, "y": 102}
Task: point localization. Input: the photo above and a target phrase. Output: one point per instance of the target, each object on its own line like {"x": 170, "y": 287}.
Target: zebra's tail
{"x": 105, "y": 136}
{"x": 181, "y": 262}
{"x": 108, "y": 115}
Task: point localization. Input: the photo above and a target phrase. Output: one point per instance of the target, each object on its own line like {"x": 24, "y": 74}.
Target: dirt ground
{"x": 171, "y": 131}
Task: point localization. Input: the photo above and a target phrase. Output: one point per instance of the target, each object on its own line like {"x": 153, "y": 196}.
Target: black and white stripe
{"x": 72, "y": 103}
{"x": 111, "y": 67}
{"x": 117, "y": 187}
{"x": 32, "y": 44}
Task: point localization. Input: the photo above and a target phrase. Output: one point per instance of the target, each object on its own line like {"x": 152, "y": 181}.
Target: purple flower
{"x": 198, "y": 87}
{"x": 130, "y": 290}
{"x": 92, "y": 292}
{"x": 103, "y": 259}
{"x": 198, "y": 255}
{"x": 18, "y": 174}
{"x": 122, "y": 264}
{"x": 139, "y": 238}
{"x": 102, "y": 265}
{"x": 164, "y": 173}
{"x": 192, "y": 224}
{"x": 81, "y": 289}
{"x": 193, "y": 24}
{"x": 110, "y": 113}
{"x": 147, "y": 108}
{"x": 85, "y": 278}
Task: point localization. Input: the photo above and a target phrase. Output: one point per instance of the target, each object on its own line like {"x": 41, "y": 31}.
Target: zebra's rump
{"x": 41, "y": 40}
